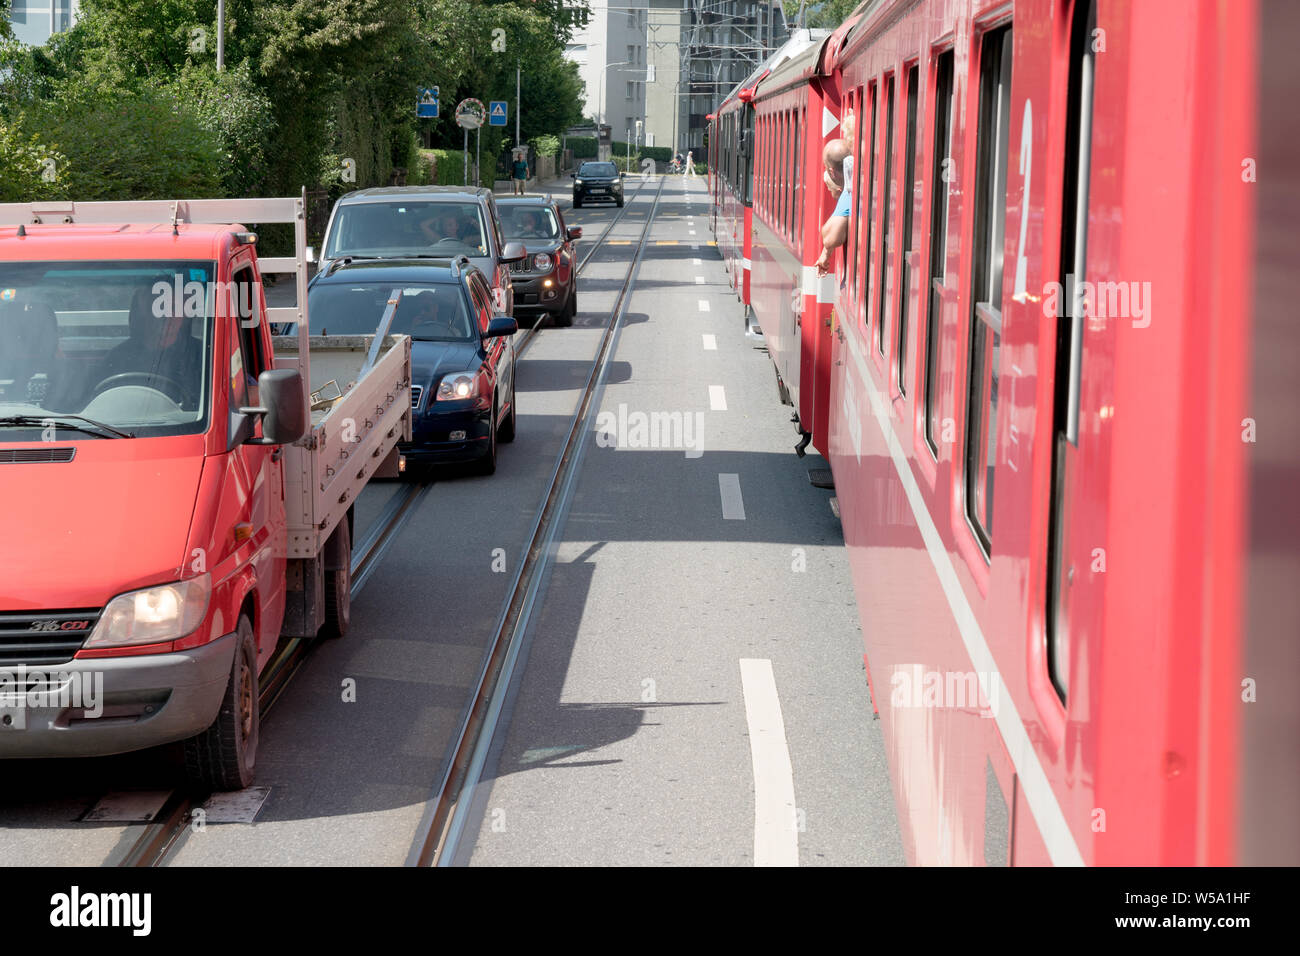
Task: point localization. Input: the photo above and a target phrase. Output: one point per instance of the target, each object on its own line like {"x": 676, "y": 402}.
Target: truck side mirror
{"x": 283, "y": 408}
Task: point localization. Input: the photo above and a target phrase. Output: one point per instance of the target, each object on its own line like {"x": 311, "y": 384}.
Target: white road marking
{"x": 697, "y": 262}
{"x": 710, "y": 343}
{"x": 733, "y": 505}
{"x": 704, "y": 305}
{"x": 692, "y": 232}
{"x": 699, "y": 280}
{"x": 776, "y": 834}
{"x": 717, "y": 398}
{"x": 695, "y": 246}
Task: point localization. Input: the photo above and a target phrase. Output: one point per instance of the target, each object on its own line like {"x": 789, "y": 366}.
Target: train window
{"x": 746, "y": 158}
{"x": 909, "y": 173}
{"x": 796, "y": 191}
{"x": 1069, "y": 334}
{"x": 940, "y": 176}
{"x": 868, "y": 207}
{"x": 854, "y": 104}
{"x": 990, "y": 194}
{"x": 787, "y": 181}
{"x": 886, "y": 213}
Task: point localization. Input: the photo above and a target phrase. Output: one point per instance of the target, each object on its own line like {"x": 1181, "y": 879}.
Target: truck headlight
{"x": 154, "y": 615}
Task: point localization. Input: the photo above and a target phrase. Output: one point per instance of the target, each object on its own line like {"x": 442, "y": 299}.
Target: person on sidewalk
{"x": 690, "y": 164}
{"x": 520, "y": 174}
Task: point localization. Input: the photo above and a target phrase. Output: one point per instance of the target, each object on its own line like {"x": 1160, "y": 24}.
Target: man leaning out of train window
{"x": 839, "y": 180}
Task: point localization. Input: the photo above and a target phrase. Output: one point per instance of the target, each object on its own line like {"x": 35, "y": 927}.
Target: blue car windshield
{"x": 426, "y": 312}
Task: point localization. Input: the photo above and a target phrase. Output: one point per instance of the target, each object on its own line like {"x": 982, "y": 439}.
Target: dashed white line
{"x": 697, "y": 262}
{"x": 733, "y": 505}
{"x": 776, "y": 835}
{"x": 692, "y": 232}
{"x": 704, "y": 305}
{"x": 710, "y": 343}
{"x": 717, "y": 398}
{"x": 699, "y": 280}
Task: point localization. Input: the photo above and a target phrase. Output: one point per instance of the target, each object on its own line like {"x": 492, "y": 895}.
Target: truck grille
{"x": 416, "y": 392}
{"x": 44, "y": 637}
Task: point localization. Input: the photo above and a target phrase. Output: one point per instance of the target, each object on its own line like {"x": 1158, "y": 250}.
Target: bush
{"x": 546, "y": 145}
{"x": 449, "y": 166}
{"x": 660, "y": 154}
{"x": 29, "y": 170}
{"x": 133, "y": 145}
{"x": 230, "y": 105}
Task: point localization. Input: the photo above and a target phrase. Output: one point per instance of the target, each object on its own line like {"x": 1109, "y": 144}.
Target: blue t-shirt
{"x": 845, "y": 203}
{"x": 521, "y": 170}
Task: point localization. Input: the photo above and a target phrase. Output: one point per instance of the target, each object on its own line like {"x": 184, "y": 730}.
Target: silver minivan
{"x": 403, "y": 222}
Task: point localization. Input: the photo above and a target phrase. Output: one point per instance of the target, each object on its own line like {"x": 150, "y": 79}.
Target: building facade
{"x": 35, "y": 21}
{"x": 612, "y": 58}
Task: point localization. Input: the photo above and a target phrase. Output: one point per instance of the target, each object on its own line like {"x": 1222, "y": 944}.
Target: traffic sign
{"x": 427, "y": 105}
{"x": 470, "y": 113}
{"x": 497, "y": 114}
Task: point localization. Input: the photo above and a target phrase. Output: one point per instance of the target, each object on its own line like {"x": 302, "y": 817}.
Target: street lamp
{"x": 603, "y": 112}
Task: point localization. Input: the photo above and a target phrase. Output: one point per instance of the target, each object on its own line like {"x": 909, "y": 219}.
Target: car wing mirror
{"x": 501, "y": 325}
{"x": 574, "y": 232}
{"x": 283, "y": 408}
{"x": 514, "y": 252}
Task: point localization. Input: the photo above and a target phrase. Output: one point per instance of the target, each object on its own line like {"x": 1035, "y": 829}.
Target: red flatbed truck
{"x": 173, "y": 502}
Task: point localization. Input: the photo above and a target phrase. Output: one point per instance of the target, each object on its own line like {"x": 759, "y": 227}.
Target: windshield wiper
{"x": 40, "y": 420}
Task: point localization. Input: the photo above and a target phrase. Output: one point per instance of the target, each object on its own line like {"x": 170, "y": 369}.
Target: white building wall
{"x": 612, "y": 56}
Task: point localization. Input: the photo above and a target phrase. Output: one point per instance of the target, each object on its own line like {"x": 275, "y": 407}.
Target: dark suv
{"x": 400, "y": 222}
{"x": 597, "y": 181}
{"x": 547, "y": 280}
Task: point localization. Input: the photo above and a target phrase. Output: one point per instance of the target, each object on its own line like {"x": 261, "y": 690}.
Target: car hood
{"x": 430, "y": 361}
{"x": 113, "y": 519}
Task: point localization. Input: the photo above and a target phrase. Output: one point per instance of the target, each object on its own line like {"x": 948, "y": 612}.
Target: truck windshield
{"x": 126, "y": 344}
{"x": 396, "y": 229}
{"x": 428, "y": 312}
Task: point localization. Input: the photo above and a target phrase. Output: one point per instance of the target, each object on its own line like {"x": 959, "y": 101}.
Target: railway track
{"x": 446, "y": 816}
{"x": 159, "y": 837}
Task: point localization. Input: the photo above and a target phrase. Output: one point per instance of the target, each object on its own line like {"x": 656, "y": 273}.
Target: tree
{"x": 821, "y": 13}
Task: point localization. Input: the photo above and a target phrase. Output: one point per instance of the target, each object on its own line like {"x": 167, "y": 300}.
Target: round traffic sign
{"x": 470, "y": 113}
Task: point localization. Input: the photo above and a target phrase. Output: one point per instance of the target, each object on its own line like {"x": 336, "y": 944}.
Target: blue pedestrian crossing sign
{"x": 427, "y": 105}
{"x": 497, "y": 113}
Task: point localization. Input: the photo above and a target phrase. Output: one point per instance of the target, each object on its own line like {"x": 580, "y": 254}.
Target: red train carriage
{"x": 1045, "y": 293}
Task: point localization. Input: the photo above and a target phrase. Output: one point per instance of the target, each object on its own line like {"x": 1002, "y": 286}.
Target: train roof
{"x": 799, "y": 42}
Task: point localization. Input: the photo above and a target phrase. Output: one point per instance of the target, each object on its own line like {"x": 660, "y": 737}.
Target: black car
{"x": 597, "y": 181}
{"x": 547, "y": 280}
{"x": 462, "y": 349}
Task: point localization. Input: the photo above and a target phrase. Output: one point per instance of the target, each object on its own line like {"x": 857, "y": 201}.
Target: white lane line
{"x": 699, "y": 280}
{"x": 695, "y": 247}
{"x": 776, "y": 837}
{"x": 697, "y": 262}
{"x": 692, "y": 232}
{"x": 704, "y": 305}
{"x": 733, "y": 505}
{"x": 717, "y": 398}
{"x": 710, "y": 343}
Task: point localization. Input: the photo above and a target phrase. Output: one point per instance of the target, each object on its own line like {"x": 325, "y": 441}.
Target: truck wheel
{"x": 507, "y": 433}
{"x": 338, "y": 583}
{"x": 223, "y": 756}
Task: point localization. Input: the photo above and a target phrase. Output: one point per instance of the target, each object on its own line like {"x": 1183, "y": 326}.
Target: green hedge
{"x": 450, "y": 168}
{"x": 660, "y": 154}
{"x": 584, "y": 147}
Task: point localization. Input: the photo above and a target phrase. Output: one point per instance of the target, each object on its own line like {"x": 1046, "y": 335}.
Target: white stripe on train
{"x": 1038, "y": 790}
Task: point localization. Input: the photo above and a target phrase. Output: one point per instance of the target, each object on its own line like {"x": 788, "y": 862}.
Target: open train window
{"x": 940, "y": 175}
{"x": 1069, "y": 336}
{"x": 886, "y": 212}
{"x": 869, "y": 208}
{"x": 990, "y": 196}
{"x": 909, "y": 172}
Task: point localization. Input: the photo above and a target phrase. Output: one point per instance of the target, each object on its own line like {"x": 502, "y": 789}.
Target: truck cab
{"x": 163, "y": 475}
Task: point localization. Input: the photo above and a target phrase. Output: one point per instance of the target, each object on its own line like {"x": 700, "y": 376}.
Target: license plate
{"x": 598, "y": 190}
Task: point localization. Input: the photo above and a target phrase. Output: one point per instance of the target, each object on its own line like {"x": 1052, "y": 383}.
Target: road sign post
{"x": 470, "y": 114}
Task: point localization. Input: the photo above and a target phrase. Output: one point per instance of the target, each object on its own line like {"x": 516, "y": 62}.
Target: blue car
{"x": 462, "y": 348}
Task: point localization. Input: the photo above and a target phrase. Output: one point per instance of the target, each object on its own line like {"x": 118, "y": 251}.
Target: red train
{"x": 1058, "y": 287}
